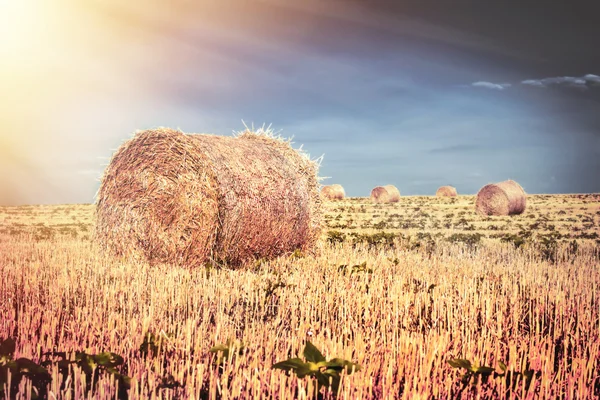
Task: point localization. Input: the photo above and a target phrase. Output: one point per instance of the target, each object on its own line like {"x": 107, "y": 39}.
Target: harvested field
{"x": 406, "y": 287}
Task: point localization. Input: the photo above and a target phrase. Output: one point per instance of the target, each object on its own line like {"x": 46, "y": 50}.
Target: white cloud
{"x": 490, "y": 85}
{"x": 533, "y": 82}
{"x": 592, "y": 78}
{"x": 567, "y": 81}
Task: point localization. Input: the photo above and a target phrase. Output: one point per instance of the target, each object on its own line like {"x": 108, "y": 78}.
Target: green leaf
{"x": 324, "y": 380}
{"x": 311, "y": 353}
{"x": 123, "y": 380}
{"x": 227, "y": 347}
{"x": 483, "y": 370}
{"x": 108, "y": 359}
{"x": 85, "y": 362}
{"x": 219, "y": 347}
{"x": 502, "y": 366}
{"x": 169, "y": 382}
{"x": 29, "y": 367}
{"x": 528, "y": 373}
{"x": 460, "y": 363}
{"x": 307, "y": 369}
{"x": 7, "y": 347}
{"x": 331, "y": 372}
{"x": 339, "y": 364}
{"x": 289, "y": 365}
{"x": 149, "y": 344}
{"x": 64, "y": 365}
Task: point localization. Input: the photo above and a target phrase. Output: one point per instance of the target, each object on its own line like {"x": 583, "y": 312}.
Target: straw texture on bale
{"x": 333, "y": 192}
{"x": 446, "y": 191}
{"x": 385, "y": 194}
{"x": 504, "y": 198}
{"x": 189, "y": 199}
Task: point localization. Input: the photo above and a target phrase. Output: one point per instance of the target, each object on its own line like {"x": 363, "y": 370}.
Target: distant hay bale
{"x": 188, "y": 199}
{"x": 333, "y": 192}
{"x": 446, "y": 191}
{"x": 504, "y": 198}
{"x": 385, "y": 194}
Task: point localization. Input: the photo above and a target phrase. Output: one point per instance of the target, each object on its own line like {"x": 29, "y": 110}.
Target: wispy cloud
{"x": 575, "y": 82}
{"x": 566, "y": 81}
{"x": 533, "y": 82}
{"x": 490, "y": 85}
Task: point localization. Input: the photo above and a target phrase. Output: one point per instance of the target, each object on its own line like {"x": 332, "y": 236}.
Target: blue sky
{"x": 416, "y": 97}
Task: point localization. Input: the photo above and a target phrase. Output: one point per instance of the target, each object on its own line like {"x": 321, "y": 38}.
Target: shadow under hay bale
{"x": 385, "y": 194}
{"x": 188, "y": 199}
{"x": 446, "y": 191}
{"x": 333, "y": 192}
{"x": 503, "y": 198}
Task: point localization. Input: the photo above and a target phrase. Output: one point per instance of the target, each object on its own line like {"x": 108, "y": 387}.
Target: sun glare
{"x": 19, "y": 18}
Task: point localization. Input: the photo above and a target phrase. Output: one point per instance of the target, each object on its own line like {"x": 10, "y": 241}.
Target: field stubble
{"x": 401, "y": 310}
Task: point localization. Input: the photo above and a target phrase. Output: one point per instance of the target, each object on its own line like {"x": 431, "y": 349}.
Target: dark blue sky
{"x": 417, "y": 94}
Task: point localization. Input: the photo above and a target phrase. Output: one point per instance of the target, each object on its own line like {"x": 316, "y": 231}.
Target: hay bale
{"x": 385, "y": 194}
{"x": 504, "y": 198}
{"x": 446, "y": 191}
{"x": 333, "y": 192}
{"x": 188, "y": 199}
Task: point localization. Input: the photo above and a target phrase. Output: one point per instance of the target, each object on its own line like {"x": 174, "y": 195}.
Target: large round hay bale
{"x": 385, "y": 194}
{"x": 446, "y": 191}
{"x": 188, "y": 199}
{"x": 333, "y": 192}
{"x": 504, "y": 198}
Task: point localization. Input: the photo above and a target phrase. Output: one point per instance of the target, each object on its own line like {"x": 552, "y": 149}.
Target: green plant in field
{"x": 394, "y": 260}
{"x": 423, "y": 241}
{"x": 354, "y": 269}
{"x": 168, "y": 382}
{"x": 273, "y": 285}
{"x": 226, "y": 351}
{"x": 470, "y": 239}
{"x": 515, "y": 240}
{"x": 464, "y": 224}
{"x": 475, "y": 374}
{"x": 473, "y": 371}
{"x": 152, "y": 343}
{"x": 258, "y": 264}
{"x": 92, "y": 365}
{"x": 327, "y": 373}
{"x": 297, "y": 254}
{"x": 588, "y": 235}
{"x": 335, "y": 237}
{"x": 19, "y": 369}
{"x": 380, "y": 225}
{"x": 547, "y": 246}
{"x": 385, "y": 239}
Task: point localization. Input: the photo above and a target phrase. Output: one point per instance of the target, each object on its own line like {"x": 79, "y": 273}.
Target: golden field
{"x": 400, "y": 289}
